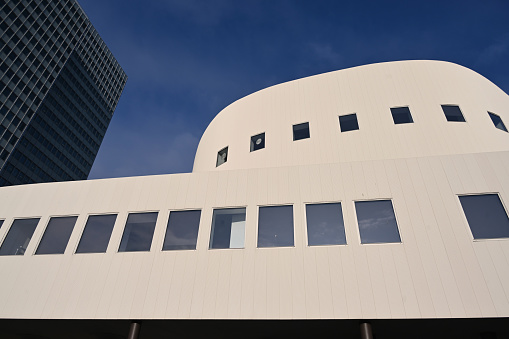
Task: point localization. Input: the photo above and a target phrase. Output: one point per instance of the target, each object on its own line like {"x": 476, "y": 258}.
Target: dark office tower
{"x": 59, "y": 87}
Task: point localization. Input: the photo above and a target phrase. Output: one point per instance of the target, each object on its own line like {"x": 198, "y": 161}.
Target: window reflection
{"x": 325, "y": 224}
{"x": 486, "y": 216}
{"x": 275, "y": 226}
{"x": 97, "y": 233}
{"x": 377, "y": 222}
{"x": 138, "y": 232}
{"x": 56, "y": 236}
{"x": 228, "y": 228}
{"x": 182, "y": 230}
{"x": 19, "y": 236}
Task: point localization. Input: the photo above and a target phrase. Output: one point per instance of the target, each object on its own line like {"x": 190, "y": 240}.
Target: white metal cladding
{"x": 369, "y": 91}
{"x": 438, "y": 271}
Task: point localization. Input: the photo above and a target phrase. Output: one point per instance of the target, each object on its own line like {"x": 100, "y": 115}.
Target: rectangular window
{"x": 56, "y": 236}
{"x": 486, "y": 216}
{"x": 182, "y": 230}
{"x": 497, "y": 121}
{"x": 228, "y": 228}
{"x": 301, "y": 131}
{"x": 257, "y": 142}
{"x": 138, "y": 232}
{"x": 325, "y": 224}
{"x": 453, "y": 113}
{"x": 97, "y": 233}
{"x": 348, "y": 122}
{"x": 222, "y": 156}
{"x": 275, "y": 226}
{"x": 401, "y": 115}
{"x": 18, "y": 237}
{"x": 377, "y": 222}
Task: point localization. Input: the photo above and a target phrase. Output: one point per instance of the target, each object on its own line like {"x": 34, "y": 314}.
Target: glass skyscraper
{"x": 59, "y": 87}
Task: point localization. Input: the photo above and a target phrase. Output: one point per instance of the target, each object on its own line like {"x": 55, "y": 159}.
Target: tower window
{"x": 485, "y": 215}
{"x": 497, "y": 121}
{"x": 228, "y": 228}
{"x": 348, "y": 122}
{"x": 377, "y": 222}
{"x": 222, "y": 156}
{"x": 453, "y": 113}
{"x": 301, "y": 131}
{"x": 257, "y": 142}
{"x": 401, "y": 115}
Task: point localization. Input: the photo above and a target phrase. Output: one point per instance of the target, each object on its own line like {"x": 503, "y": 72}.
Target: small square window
{"x": 56, "y": 236}
{"x": 228, "y": 228}
{"x": 138, "y": 232}
{"x": 325, "y": 224}
{"x": 301, "y": 131}
{"x": 97, "y": 233}
{"x": 453, "y": 113}
{"x": 348, "y": 122}
{"x": 182, "y": 230}
{"x": 485, "y": 215}
{"x": 257, "y": 142}
{"x": 275, "y": 226}
{"x": 377, "y": 222}
{"x": 222, "y": 156}
{"x": 401, "y": 115}
{"x": 18, "y": 236}
{"x": 497, "y": 121}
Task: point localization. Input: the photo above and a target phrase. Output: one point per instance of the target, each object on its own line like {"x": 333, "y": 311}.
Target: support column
{"x": 134, "y": 330}
{"x": 366, "y": 332}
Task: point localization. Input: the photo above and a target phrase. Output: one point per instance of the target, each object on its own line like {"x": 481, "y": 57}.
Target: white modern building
{"x": 372, "y": 195}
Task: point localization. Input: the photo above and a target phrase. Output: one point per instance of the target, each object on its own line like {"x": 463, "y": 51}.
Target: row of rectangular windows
{"x": 376, "y": 221}
{"x": 348, "y": 122}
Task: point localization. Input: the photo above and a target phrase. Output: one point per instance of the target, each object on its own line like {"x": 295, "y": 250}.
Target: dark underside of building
{"x": 478, "y": 328}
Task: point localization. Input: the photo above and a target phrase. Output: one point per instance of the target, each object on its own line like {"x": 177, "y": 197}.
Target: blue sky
{"x": 188, "y": 59}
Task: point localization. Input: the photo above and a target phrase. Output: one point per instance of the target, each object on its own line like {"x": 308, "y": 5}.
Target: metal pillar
{"x": 366, "y": 332}
{"x": 134, "y": 330}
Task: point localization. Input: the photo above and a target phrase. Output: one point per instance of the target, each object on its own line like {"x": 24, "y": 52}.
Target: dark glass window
{"x": 97, "y": 233}
{"x": 377, "y": 222}
{"x": 138, "y": 232}
{"x": 325, "y": 224}
{"x": 56, "y": 236}
{"x": 257, "y": 142}
{"x": 497, "y": 121}
{"x": 486, "y": 216}
{"x": 20, "y": 233}
{"x": 228, "y": 228}
{"x": 1, "y": 223}
{"x": 275, "y": 226}
{"x": 182, "y": 230}
{"x": 348, "y": 122}
{"x": 222, "y": 156}
{"x": 401, "y": 115}
{"x": 301, "y": 131}
{"x": 452, "y": 113}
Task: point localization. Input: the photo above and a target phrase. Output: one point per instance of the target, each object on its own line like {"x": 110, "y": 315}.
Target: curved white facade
{"x": 438, "y": 270}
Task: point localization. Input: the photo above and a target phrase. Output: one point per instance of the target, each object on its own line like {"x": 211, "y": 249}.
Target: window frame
{"x": 340, "y": 202}
{"x": 445, "y": 115}
{"x": 168, "y": 220}
{"x": 125, "y": 224}
{"x": 299, "y": 124}
{"x": 409, "y": 113}
{"x": 251, "y": 143}
{"x": 8, "y": 229}
{"x": 245, "y": 207}
{"x": 217, "y": 156}
{"x": 258, "y": 225}
{"x": 395, "y": 217}
{"x": 502, "y": 121}
{"x": 464, "y": 216}
{"x": 356, "y": 120}
{"x": 41, "y": 235}
{"x": 82, "y": 230}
